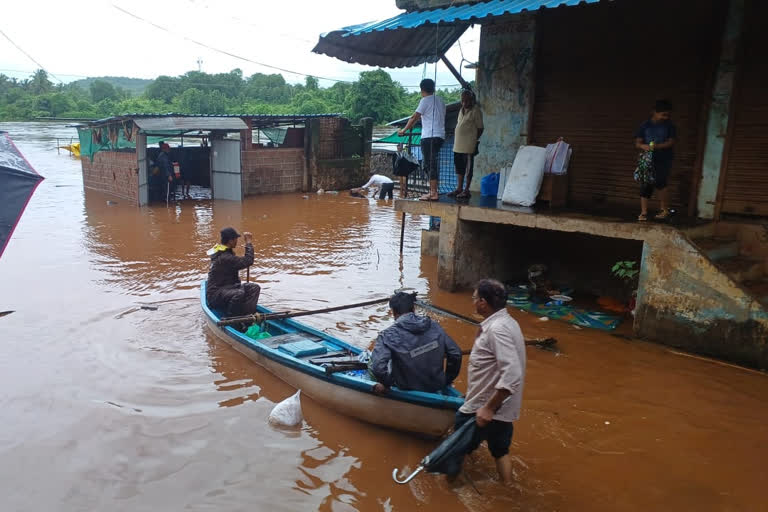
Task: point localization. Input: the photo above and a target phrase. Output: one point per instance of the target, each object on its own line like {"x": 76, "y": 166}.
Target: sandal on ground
{"x": 464, "y": 195}
{"x": 427, "y": 197}
{"x": 642, "y": 217}
{"x": 663, "y": 214}
{"x": 454, "y": 193}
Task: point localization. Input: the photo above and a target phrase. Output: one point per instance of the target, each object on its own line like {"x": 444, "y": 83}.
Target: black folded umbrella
{"x": 448, "y": 457}
{"x": 19, "y": 181}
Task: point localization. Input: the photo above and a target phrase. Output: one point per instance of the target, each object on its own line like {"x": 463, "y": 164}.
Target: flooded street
{"x": 107, "y": 406}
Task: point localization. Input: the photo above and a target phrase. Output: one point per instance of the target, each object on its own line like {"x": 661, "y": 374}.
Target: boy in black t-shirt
{"x": 657, "y": 134}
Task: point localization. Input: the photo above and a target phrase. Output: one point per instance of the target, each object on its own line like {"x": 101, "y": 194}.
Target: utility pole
{"x": 200, "y": 64}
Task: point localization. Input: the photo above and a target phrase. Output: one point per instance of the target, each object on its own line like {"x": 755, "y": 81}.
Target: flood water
{"x": 107, "y": 406}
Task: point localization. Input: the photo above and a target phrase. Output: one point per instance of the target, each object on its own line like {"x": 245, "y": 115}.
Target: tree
{"x": 163, "y": 88}
{"x": 39, "y": 83}
{"x": 375, "y": 95}
{"x": 101, "y": 90}
{"x": 311, "y": 83}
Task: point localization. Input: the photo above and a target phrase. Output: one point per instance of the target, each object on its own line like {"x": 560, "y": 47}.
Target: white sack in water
{"x": 288, "y": 412}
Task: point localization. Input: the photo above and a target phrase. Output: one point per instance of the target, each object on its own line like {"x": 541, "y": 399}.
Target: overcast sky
{"x": 80, "y": 38}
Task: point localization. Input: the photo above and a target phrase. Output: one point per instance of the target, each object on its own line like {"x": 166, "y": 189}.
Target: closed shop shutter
{"x": 600, "y": 69}
{"x": 746, "y": 169}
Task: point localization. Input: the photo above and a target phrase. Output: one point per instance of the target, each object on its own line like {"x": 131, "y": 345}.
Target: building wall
{"x": 683, "y": 300}
{"x": 273, "y": 170}
{"x": 505, "y": 91}
{"x": 113, "y": 172}
{"x": 340, "y": 153}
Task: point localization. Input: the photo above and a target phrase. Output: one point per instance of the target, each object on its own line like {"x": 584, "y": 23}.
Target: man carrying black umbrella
{"x": 496, "y": 375}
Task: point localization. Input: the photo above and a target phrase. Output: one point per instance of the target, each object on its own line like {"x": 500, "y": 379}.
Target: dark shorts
{"x": 430, "y": 149}
{"x": 661, "y": 170}
{"x": 497, "y": 433}
{"x": 387, "y": 190}
{"x": 464, "y": 162}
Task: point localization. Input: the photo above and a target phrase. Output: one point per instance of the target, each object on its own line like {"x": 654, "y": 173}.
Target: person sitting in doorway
{"x": 224, "y": 291}
{"x": 540, "y": 288}
{"x": 410, "y": 353}
{"x": 379, "y": 182}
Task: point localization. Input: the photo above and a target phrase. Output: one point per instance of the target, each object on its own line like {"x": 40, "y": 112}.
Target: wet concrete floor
{"x": 107, "y": 406}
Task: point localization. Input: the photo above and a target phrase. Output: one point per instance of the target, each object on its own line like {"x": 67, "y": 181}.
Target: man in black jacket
{"x": 410, "y": 354}
{"x": 224, "y": 291}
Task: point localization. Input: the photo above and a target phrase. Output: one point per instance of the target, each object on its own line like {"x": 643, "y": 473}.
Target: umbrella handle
{"x": 408, "y": 478}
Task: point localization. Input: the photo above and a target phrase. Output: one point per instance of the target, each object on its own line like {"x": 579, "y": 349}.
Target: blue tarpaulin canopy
{"x": 413, "y": 38}
{"x": 19, "y": 181}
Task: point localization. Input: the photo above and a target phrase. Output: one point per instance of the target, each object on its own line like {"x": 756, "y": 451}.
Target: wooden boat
{"x": 296, "y": 353}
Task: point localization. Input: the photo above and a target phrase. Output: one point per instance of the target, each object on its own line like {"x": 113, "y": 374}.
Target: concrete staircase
{"x": 740, "y": 251}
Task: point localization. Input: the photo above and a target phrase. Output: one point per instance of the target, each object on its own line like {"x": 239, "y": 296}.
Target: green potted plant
{"x": 629, "y": 273}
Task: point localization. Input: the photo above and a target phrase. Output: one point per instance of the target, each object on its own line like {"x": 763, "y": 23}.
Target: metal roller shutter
{"x": 746, "y": 169}
{"x": 598, "y": 72}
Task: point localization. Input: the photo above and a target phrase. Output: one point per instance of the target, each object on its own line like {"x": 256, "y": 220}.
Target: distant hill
{"x": 136, "y": 86}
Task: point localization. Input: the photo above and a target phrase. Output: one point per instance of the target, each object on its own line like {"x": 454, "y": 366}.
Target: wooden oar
{"x": 457, "y": 316}
{"x": 262, "y": 317}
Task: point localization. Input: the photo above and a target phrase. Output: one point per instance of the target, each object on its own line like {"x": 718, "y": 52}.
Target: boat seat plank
{"x": 276, "y": 341}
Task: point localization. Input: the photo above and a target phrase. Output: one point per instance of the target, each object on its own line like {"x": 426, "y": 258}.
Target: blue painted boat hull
{"x": 413, "y": 411}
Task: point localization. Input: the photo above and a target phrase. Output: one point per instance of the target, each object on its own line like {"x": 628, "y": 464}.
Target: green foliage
{"x": 133, "y": 86}
{"x": 101, "y": 90}
{"x": 627, "y": 271}
{"x": 374, "y": 95}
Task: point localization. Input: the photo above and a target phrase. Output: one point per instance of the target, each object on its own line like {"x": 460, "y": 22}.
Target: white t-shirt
{"x": 377, "y": 180}
{"x": 432, "y": 110}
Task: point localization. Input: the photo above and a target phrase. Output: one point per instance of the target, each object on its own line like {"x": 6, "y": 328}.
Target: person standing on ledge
{"x": 431, "y": 113}
{"x": 495, "y": 377}
{"x": 657, "y": 135}
{"x": 224, "y": 291}
{"x": 469, "y": 128}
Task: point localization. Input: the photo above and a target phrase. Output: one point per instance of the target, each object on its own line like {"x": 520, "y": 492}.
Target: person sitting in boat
{"x": 224, "y": 291}
{"x": 410, "y": 353}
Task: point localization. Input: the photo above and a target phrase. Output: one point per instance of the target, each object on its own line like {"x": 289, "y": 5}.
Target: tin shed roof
{"x": 413, "y": 38}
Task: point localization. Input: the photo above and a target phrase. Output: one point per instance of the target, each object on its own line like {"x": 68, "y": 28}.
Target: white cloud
{"x": 93, "y": 38}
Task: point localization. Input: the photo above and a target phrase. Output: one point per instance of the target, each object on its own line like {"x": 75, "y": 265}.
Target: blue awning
{"x": 413, "y": 38}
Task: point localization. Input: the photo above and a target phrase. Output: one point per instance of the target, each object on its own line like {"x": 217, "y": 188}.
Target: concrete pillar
{"x": 505, "y": 83}
{"x": 719, "y": 112}
{"x": 450, "y": 240}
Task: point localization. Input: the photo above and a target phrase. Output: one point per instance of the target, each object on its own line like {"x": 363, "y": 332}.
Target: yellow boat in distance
{"x": 73, "y": 148}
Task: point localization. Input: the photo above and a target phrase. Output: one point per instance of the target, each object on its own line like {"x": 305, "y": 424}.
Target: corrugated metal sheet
{"x": 415, "y": 37}
{"x": 190, "y": 123}
{"x": 265, "y": 118}
{"x": 596, "y": 82}
{"x": 746, "y": 178}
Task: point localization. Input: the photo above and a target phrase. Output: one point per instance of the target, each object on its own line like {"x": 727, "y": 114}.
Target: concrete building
{"x": 233, "y": 156}
{"x": 590, "y": 72}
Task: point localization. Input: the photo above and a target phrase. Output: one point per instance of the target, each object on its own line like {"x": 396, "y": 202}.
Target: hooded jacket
{"x": 410, "y": 355}
{"x": 225, "y": 265}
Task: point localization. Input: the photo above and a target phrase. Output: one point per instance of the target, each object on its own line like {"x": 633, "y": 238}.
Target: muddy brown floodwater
{"x": 106, "y": 406}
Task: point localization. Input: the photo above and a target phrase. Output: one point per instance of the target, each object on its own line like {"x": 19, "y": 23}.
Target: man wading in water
{"x": 496, "y": 376}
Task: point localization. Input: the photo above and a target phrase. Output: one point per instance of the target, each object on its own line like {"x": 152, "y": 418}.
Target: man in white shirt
{"x": 496, "y": 375}
{"x": 431, "y": 113}
{"x": 379, "y": 182}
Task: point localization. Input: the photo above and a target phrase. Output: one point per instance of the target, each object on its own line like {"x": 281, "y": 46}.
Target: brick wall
{"x": 272, "y": 170}
{"x": 331, "y": 134}
{"x": 340, "y": 154}
{"x": 113, "y": 172}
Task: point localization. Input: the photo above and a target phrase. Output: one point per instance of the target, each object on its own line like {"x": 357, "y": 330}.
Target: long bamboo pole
{"x": 260, "y": 317}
